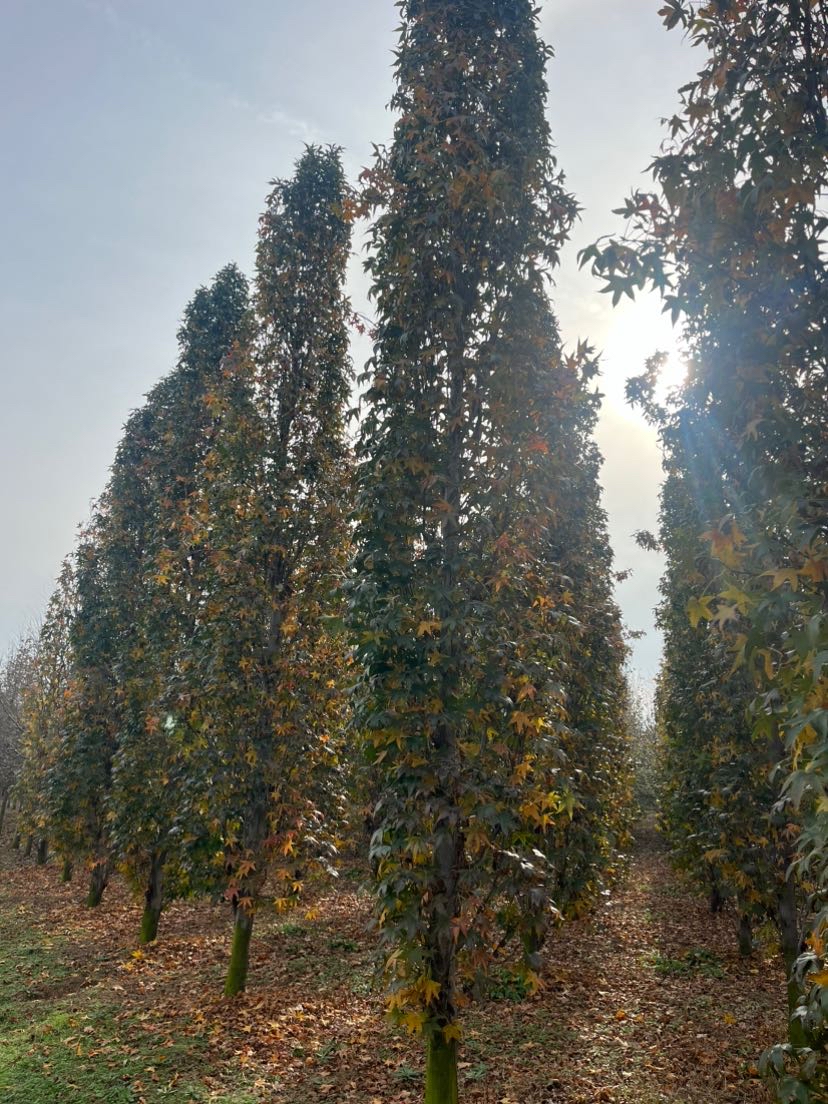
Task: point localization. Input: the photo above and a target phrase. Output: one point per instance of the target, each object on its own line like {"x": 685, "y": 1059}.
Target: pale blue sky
{"x": 137, "y": 139}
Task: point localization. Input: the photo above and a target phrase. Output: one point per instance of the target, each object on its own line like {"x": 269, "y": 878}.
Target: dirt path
{"x": 663, "y": 1008}
{"x": 647, "y": 1002}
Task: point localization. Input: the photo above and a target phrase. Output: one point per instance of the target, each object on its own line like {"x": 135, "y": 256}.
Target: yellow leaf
{"x": 815, "y": 570}
{"x": 414, "y": 1021}
{"x": 533, "y": 982}
{"x": 820, "y": 977}
{"x": 724, "y": 614}
{"x": 430, "y": 989}
{"x": 779, "y": 578}
{"x": 698, "y": 609}
{"x": 452, "y": 1031}
{"x": 428, "y": 628}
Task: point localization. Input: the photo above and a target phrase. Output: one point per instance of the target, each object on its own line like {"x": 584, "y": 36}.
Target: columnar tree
{"x": 16, "y": 679}
{"x": 735, "y": 238}
{"x": 80, "y": 776}
{"x": 719, "y": 804}
{"x": 267, "y": 527}
{"x": 460, "y": 605}
{"x": 44, "y": 702}
{"x": 153, "y": 477}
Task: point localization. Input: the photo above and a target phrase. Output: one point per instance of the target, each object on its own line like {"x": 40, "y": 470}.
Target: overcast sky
{"x": 137, "y": 139}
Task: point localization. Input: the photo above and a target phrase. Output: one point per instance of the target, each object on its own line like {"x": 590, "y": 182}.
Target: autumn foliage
{"x": 280, "y": 638}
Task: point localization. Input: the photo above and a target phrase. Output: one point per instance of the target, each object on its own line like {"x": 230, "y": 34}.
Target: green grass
{"x": 82, "y": 1056}
{"x": 695, "y": 961}
{"x": 60, "y": 1039}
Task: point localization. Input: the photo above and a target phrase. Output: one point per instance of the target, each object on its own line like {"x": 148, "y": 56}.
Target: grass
{"x": 60, "y": 1040}
{"x": 79, "y": 1057}
{"x": 695, "y": 961}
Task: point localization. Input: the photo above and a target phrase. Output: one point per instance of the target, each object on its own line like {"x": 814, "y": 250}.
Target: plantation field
{"x": 645, "y": 1003}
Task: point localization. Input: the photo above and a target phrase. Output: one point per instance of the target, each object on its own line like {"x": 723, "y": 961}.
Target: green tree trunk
{"x": 42, "y": 851}
{"x": 66, "y": 872}
{"x": 441, "y": 1070}
{"x": 153, "y": 899}
{"x": 787, "y": 921}
{"x": 239, "y": 955}
{"x": 98, "y": 881}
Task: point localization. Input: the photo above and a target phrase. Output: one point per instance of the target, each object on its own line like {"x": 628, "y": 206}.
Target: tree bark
{"x": 66, "y": 872}
{"x": 153, "y": 899}
{"x": 98, "y": 881}
{"x": 42, "y": 851}
{"x": 787, "y": 921}
{"x": 3, "y": 805}
{"x": 239, "y": 955}
{"x": 716, "y": 899}
{"x": 16, "y": 842}
{"x": 29, "y": 846}
{"x": 745, "y": 935}
{"x": 441, "y": 1070}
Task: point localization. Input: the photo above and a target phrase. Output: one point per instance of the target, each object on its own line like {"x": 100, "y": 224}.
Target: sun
{"x": 672, "y": 373}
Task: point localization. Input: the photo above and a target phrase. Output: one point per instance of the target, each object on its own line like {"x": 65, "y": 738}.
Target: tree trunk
{"x": 98, "y": 881}
{"x": 29, "y": 845}
{"x": 716, "y": 899}
{"x": 16, "y": 842}
{"x": 3, "y": 805}
{"x": 42, "y": 851}
{"x": 239, "y": 955}
{"x": 66, "y": 872}
{"x": 745, "y": 935}
{"x": 441, "y": 1070}
{"x": 153, "y": 899}
{"x": 787, "y": 921}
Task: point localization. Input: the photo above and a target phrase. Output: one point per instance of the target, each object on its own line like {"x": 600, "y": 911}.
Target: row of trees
{"x": 186, "y": 693}
{"x": 212, "y": 676}
{"x": 735, "y": 241}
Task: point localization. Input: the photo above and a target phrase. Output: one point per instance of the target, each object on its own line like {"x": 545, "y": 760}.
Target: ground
{"x": 647, "y": 1002}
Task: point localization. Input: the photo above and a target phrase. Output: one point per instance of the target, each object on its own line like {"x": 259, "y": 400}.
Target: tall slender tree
{"x": 153, "y": 477}
{"x": 267, "y": 524}
{"x": 17, "y": 674}
{"x": 80, "y": 776}
{"x": 42, "y": 712}
{"x": 735, "y": 238}
{"x": 460, "y": 605}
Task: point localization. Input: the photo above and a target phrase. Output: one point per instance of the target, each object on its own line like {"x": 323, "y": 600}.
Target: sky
{"x": 137, "y": 140}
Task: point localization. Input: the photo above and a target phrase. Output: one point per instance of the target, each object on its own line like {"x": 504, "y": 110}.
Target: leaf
{"x": 414, "y": 1021}
{"x": 782, "y": 576}
{"x": 428, "y": 628}
{"x": 430, "y": 990}
{"x": 698, "y": 609}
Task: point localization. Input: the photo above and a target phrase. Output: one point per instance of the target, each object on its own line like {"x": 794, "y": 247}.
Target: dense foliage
{"x": 735, "y": 241}
{"x": 481, "y": 598}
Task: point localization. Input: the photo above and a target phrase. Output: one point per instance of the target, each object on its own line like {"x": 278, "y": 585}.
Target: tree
{"x": 268, "y": 536}
{"x": 79, "y": 777}
{"x": 16, "y": 677}
{"x": 735, "y": 240}
{"x": 154, "y": 824}
{"x": 719, "y": 804}
{"x": 460, "y": 607}
{"x": 42, "y": 712}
